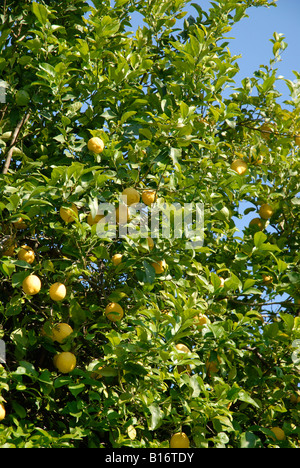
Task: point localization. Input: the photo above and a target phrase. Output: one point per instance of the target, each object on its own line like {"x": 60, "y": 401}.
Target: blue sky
{"x": 252, "y": 37}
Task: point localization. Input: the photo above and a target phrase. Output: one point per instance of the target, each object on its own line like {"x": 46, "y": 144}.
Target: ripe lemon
{"x": 200, "y": 320}
{"x": 117, "y": 259}
{"x": 114, "y": 312}
{"x": 132, "y": 195}
{"x": 182, "y": 347}
{"x": 19, "y": 224}
{"x": 10, "y": 251}
{"x": 2, "y": 412}
{"x": 179, "y": 440}
{"x": 96, "y": 145}
{"x": 65, "y": 362}
{"x": 68, "y": 215}
{"x": 159, "y": 267}
{"x": 149, "y": 197}
{"x": 257, "y": 223}
{"x": 31, "y": 285}
{"x": 278, "y": 432}
{"x": 266, "y": 211}
{"x": 26, "y": 254}
{"x": 239, "y": 166}
{"x": 150, "y": 243}
{"x": 57, "y": 291}
{"x": 61, "y": 331}
{"x": 91, "y": 221}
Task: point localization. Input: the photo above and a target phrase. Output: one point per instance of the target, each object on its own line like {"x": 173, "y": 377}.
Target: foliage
{"x": 164, "y": 100}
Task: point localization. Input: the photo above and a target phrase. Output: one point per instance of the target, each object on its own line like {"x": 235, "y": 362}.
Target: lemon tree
{"x": 137, "y": 340}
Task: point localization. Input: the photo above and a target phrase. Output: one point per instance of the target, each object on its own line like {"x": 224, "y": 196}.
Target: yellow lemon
{"x": 278, "y": 433}
{"x": 2, "y": 412}
{"x": 91, "y": 221}
{"x": 26, "y": 254}
{"x": 257, "y": 223}
{"x": 201, "y": 320}
{"x": 9, "y": 252}
{"x": 132, "y": 195}
{"x": 19, "y": 224}
{"x": 31, "y": 285}
{"x": 96, "y": 145}
{"x": 182, "y": 347}
{"x": 149, "y": 197}
{"x": 179, "y": 440}
{"x": 266, "y": 211}
{"x": 116, "y": 259}
{"x": 159, "y": 267}
{"x": 239, "y": 166}
{"x": 68, "y": 215}
{"x": 57, "y": 291}
{"x": 65, "y": 362}
{"x": 114, "y": 312}
{"x": 61, "y": 331}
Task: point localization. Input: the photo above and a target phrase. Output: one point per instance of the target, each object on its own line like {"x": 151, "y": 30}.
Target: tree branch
{"x": 13, "y": 141}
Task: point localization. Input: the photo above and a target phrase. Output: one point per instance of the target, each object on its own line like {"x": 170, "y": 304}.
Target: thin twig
{"x": 13, "y": 141}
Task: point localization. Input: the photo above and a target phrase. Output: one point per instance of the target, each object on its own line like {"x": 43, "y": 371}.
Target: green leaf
{"x": 244, "y": 396}
{"x": 40, "y": 11}
{"x": 248, "y": 440}
{"x": 271, "y": 330}
{"x": 259, "y": 239}
{"x": 156, "y": 416}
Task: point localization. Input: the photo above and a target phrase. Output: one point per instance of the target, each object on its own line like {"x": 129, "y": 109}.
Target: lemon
{"x": 239, "y": 166}
{"x": 57, "y": 291}
{"x": 266, "y": 211}
{"x": 257, "y": 224}
{"x": 10, "y": 251}
{"x": 91, "y": 221}
{"x": 201, "y": 320}
{"x": 2, "y": 412}
{"x": 132, "y": 195}
{"x": 68, "y": 215}
{"x": 61, "y": 331}
{"x": 182, "y": 347}
{"x": 179, "y": 440}
{"x": 117, "y": 259}
{"x": 19, "y": 224}
{"x": 96, "y": 145}
{"x": 65, "y": 362}
{"x": 149, "y": 197}
{"x": 278, "y": 432}
{"x": 114, "y": 312}
{"x": 31, "y": 285}
{"x": 159, "y": 267}
{"x": 26, "y": 254}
